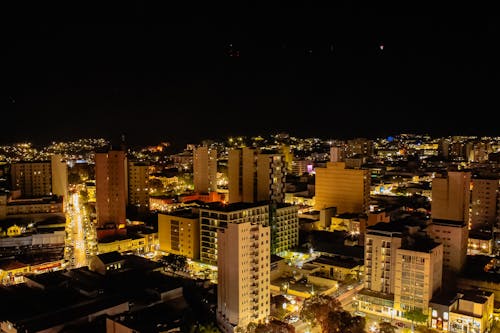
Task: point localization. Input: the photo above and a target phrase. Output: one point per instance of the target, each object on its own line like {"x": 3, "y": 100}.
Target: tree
{"x": 209, "y": 328}
{"x": 385, "y": 327}
{"x": 316, "y": 309}
{"x": 174, "y": 261}
{"x": 343, "y": 321}
{"x": 415, "y": 316}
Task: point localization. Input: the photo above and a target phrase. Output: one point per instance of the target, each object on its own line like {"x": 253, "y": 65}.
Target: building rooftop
{"x": 276, "y": 258}
{"x": 383, "y": 228}
{"x": 337, "y": 261}
{"x": 110, "y": 257}
{"x": 347, "y": 215}
{"x": 51, "y": 279}
{"x": 476, "y": 296}
{"x": 480, "y": 235}
{"x": 419, "y": 244}
{"x": 187, "y": 213}
{"x": 450, "y": 223}
{"x": 233, "y": 207}
{"x": 444, "y": 298}
{"x": 8, "y": 265}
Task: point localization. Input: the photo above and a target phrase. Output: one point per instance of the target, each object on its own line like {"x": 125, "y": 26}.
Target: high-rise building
{"x": 403, "y": 269}
{"x": 243, "y": 293}
{"x": 255, "y": 176}
{"x": 138, "y": 185}
{"x": 381, "y": 242}
{"x": 284, "y": 227}
{"x": 484, "y": 202}
{"x": 346, "y": 189}
{"x": 419, "y": 266}
{"x": 300, "y": 167}
{"x": 179, "y": 233}
{"x": 451, "y": 196}
{"x": 359, "y": 146}
{"x": 216, "y": 216}
{"x": 205, "y": 170}
{"x": 111, "y": 187}
{"x": 454, "y": 236}
{"x": 59, "y": 170}
{"x": 34, "y": 179}
{"x": 337, "y": 154}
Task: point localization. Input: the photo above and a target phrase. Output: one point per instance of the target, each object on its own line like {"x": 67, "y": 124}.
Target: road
{"x": 79, "y": 233}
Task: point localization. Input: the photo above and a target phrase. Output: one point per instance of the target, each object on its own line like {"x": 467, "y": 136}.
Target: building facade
{"x": 34, "y": 179}
{"x": 285, "y": 228}
{"x": 484, "y": 202}
{"x": 346, "y": 189}
{"x": 454, "y": 237}
{"x": 255, "y": 176}
{"x": 179, "y": 233}
{"x": 59, "y": 170}
{"x": 111, "y": 187}
{"x": 419, "y": 272}
{"x": 138, "y": 185}
{"x": 216, "y": 216}
{"x": 243, "y": 293}
{"x": 205, "y": 170}
{"x": 451, "y": 196}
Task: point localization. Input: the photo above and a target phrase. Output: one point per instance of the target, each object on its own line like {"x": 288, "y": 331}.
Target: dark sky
{"x": 173, "y": 75}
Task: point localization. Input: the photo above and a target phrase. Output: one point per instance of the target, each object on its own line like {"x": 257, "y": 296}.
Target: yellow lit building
{"x": 484, "y": 202}
{"x": 243, "y": 292}
{"x": 138, "y": 185}
{"x": 418, "y": 276}
{"x": 346, "y": 189}
{"x": 122, "y": 245}
{"x": 451, "y": 196}
{"x": 339, "y": 269}
{"x": 13, "y": 230}
{"x": 467, "y": 311}
{"x": 255, "y": 176}
{"x": 480, "y": 243}
{"x": 12, "y": 272}
{"x": 179, "y": 233}
{"x": 454, "y": 237}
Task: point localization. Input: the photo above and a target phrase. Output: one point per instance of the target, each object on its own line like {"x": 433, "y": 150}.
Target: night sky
{"x": 180, "y": 76}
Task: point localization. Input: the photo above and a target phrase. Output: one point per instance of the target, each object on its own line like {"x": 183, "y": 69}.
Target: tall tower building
{"x": 34, "y": 179}
{"x": 138, "y": 185}
{"x": 59, "y": 170}
{"x": 359, "y": 146}
{"x": 418, "y": 276}
{"x": 179, "y": 233}
{"x": 346, "y": 189}
{"x": 451, "y": 196}
{"x": 381, "y": 242}
{"x": 484, "y": 202}
{"x": 336, "y": 154}
{"x": 216, "y": 216}
{"x": 255, "y": 176}
{"x": 454, "y": 236}
{"x": 205, "y": 170}
{"x": 243, "y": 293}
{"x": 284, "y": 227}
{"x": 111, "y": 186}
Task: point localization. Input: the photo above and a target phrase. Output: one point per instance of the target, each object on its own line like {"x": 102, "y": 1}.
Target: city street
{"x": 80, "y": 235}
